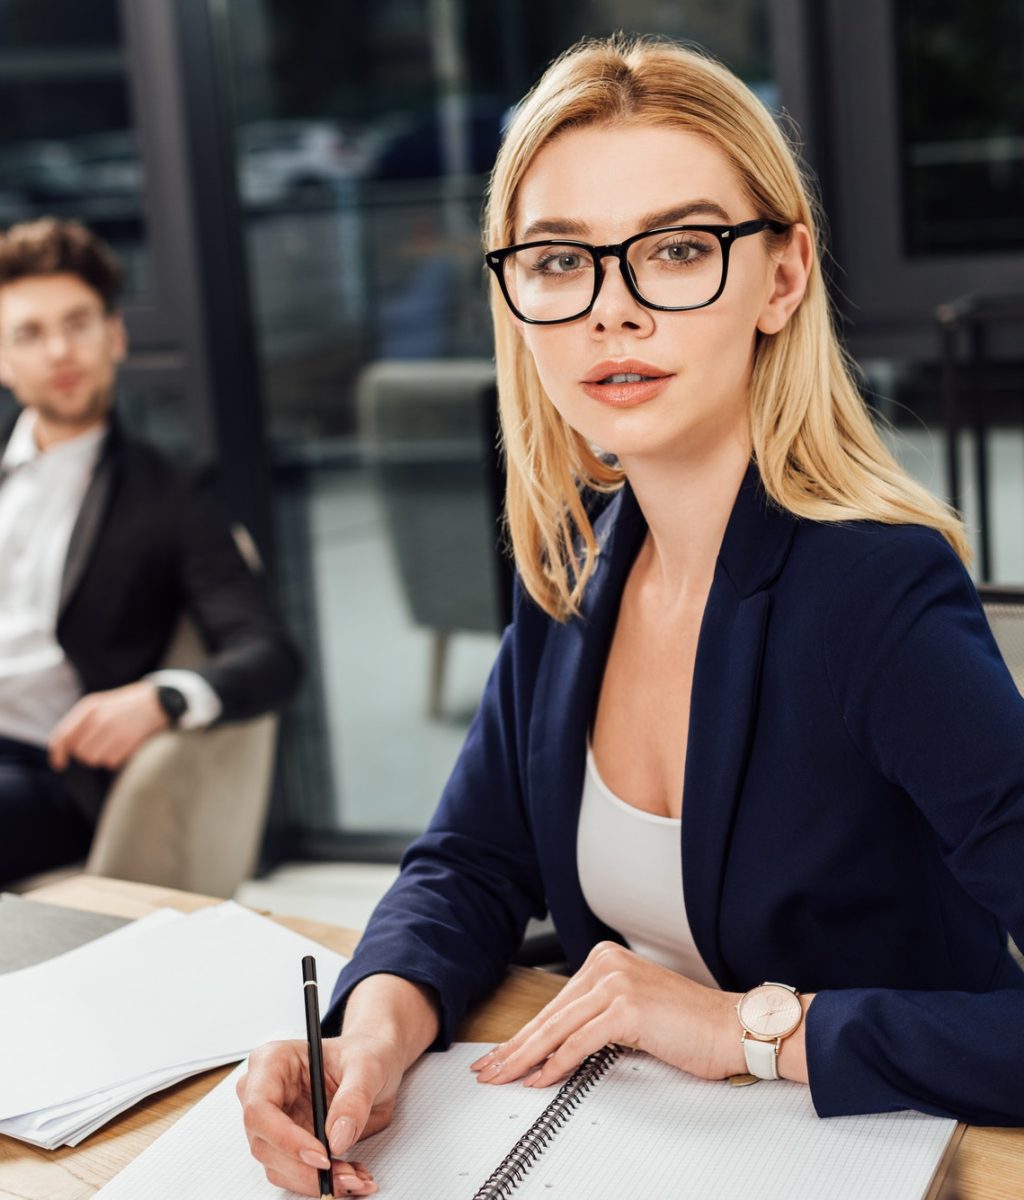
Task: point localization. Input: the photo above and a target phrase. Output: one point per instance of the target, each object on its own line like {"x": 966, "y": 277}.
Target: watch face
{"x": 770, "y": 1011}
{"x": 172, "y": 702}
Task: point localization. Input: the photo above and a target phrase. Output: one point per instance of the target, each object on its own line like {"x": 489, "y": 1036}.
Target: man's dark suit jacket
{"x": 853, "y": 809}
{"x": 147, "y": 547}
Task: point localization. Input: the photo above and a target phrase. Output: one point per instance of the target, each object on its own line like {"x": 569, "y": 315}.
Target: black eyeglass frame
{"x": 726, "y": 235}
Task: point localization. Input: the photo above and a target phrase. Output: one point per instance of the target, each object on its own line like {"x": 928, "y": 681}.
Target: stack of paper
{"x": 89, "y": 1033}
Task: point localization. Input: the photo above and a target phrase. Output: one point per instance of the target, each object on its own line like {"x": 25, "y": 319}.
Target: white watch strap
{"x": 761, "y": 1057}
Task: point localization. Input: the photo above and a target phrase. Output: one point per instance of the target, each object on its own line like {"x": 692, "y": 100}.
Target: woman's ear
{"x": 790, "y": 272}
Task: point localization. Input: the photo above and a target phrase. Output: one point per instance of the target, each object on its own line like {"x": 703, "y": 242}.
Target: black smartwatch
{"x": 172, "y": 702}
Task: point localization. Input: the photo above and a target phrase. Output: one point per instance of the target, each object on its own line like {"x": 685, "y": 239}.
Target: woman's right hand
{"x": 361, "y": 1073}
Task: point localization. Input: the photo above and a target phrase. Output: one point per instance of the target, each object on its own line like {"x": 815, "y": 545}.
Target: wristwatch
{"x": 768, "y": 1013}
{"x": 172, "y": 702}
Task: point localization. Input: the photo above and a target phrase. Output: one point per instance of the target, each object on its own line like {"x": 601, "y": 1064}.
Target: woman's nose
{"x": 615, "y": 306}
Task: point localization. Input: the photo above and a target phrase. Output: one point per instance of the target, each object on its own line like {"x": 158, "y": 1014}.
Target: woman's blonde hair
{"x": 817, "y": 450}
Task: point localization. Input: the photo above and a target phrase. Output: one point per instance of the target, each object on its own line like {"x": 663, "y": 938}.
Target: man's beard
{"x": 94, "y": 410}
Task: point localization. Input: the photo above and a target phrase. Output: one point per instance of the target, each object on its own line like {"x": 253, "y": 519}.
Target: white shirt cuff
{"x": 203, "y": 703}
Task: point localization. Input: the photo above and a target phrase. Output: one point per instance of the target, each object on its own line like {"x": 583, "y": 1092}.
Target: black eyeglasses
{"x": 674, "y": 269}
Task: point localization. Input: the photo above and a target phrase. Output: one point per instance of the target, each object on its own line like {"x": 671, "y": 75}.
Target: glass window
{"x": 67, "y": 147}
{"x": 961, "y": 82}
{"x": 364, "y": 136}
{"x": 908, "y": 395}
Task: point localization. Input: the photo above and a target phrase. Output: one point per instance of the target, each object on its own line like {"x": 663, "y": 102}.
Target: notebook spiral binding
{"x": 512, "y": 1169}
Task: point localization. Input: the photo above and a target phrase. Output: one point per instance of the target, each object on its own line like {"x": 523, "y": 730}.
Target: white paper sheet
{"x": 90, "y": 1032}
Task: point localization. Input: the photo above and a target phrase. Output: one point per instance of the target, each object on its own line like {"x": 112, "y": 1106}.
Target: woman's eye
{"x": 679, "y": 252}
{"x": 560, "y": 264}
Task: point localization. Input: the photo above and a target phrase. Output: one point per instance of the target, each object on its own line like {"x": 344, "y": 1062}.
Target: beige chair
{"x": 1004, "y": 607}
{"x": 187, "y": 810}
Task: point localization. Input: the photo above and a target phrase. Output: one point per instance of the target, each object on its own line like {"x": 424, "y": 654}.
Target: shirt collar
{"x": 22, "y": 448}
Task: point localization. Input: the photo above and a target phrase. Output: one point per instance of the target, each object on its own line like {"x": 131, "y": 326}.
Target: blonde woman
{"x": 749, "y": 723}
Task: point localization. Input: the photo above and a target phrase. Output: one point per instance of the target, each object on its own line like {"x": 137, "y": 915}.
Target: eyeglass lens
{"x": 78, "y": 328}
{"x": 677, "y": 269}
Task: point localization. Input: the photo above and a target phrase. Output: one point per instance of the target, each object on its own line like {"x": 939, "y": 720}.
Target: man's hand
{"x": 104, "y": 729}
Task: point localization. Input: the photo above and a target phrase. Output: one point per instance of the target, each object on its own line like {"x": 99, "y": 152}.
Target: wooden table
{"x": 987, "y": 1164}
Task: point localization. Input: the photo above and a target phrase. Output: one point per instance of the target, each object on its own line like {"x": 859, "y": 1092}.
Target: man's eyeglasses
{"x": 79, "y": 328}
{"x": 674, "y": 269}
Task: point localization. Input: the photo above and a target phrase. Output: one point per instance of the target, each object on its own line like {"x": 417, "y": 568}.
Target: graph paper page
{"x": 646, "y": 1129}
{"x": 447, "y": 1134}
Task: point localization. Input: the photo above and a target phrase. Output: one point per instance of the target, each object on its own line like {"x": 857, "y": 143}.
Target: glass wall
{"x": 364, "y": 137}
{"x": 961, "y": 78}
{"x": 68, "y": 144}
{"x": 68, "y": 148}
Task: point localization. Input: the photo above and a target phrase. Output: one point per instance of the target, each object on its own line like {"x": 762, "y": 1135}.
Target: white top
{"x": 41, "y": 495}
{"x": 631, "y": 871}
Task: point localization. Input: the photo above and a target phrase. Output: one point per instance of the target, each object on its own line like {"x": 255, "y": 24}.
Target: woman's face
{"x": 602, "y": 184}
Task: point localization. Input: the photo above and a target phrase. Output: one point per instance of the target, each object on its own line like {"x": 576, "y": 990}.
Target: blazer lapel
{"x": 723, "y": 704}
{"x": 90, "y": 519}
{"x": 5, "y": 437}
{"x": 566, "y": 692}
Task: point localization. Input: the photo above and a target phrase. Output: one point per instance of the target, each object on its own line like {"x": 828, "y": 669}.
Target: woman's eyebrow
{"x": 670, "y": 216}
{"x": 555, "y": 225}
{"x": 564, "y": 226}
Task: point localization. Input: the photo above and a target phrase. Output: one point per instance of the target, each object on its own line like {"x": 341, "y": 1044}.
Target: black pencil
{"x": 316, "y": 1068}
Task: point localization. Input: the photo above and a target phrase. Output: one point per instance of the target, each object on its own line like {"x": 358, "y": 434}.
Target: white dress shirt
{"x": 40, "y": 498}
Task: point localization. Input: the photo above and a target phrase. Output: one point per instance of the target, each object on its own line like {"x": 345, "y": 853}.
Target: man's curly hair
{"x": 49, "y": 246}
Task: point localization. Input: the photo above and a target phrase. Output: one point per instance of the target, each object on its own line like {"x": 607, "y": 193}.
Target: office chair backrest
{"x": 1004, "y": 608}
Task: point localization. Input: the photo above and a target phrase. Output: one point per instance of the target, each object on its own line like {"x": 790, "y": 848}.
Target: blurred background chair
{"x": 1004, "y": 607}
{"x": 430, "y": 428}
{"x": 188, "y": 809}
{"x": 981, "y": 374}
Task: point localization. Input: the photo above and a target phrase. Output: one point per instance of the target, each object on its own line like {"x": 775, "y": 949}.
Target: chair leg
{"x": 435, "y": 684}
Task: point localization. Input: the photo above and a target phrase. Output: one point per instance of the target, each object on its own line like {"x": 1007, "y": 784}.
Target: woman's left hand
{"x": 617, "y": 996}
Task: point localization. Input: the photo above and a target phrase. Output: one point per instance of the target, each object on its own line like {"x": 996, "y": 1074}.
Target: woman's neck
{"x": 687, "y": 507}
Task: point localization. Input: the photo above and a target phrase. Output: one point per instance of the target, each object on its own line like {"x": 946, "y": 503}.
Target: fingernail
{"x": 342, "y": 1135}
{"x": 530, "y": 1080}
{"x": 489, "y": 1072}
{"x": 312, "y": 1159}
{"x": 484, "y": 1058}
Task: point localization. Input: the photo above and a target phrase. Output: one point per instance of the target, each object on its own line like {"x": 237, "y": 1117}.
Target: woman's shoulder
{"x": 868, "y": 547}
{"x": 872, "y": 577}
{"x": 861, "y": 584}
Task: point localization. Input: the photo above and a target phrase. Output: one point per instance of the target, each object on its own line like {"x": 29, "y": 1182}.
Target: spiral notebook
{"x": 625, "y": 1125}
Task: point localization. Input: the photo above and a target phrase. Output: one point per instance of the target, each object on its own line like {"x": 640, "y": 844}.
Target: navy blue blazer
{"x": 853, "y": 814}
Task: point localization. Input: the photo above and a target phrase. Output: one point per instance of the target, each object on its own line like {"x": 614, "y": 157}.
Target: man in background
{"x": 104, "y": 545}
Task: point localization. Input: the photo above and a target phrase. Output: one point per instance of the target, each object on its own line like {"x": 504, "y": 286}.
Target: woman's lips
{"x": 622, "y": 392}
